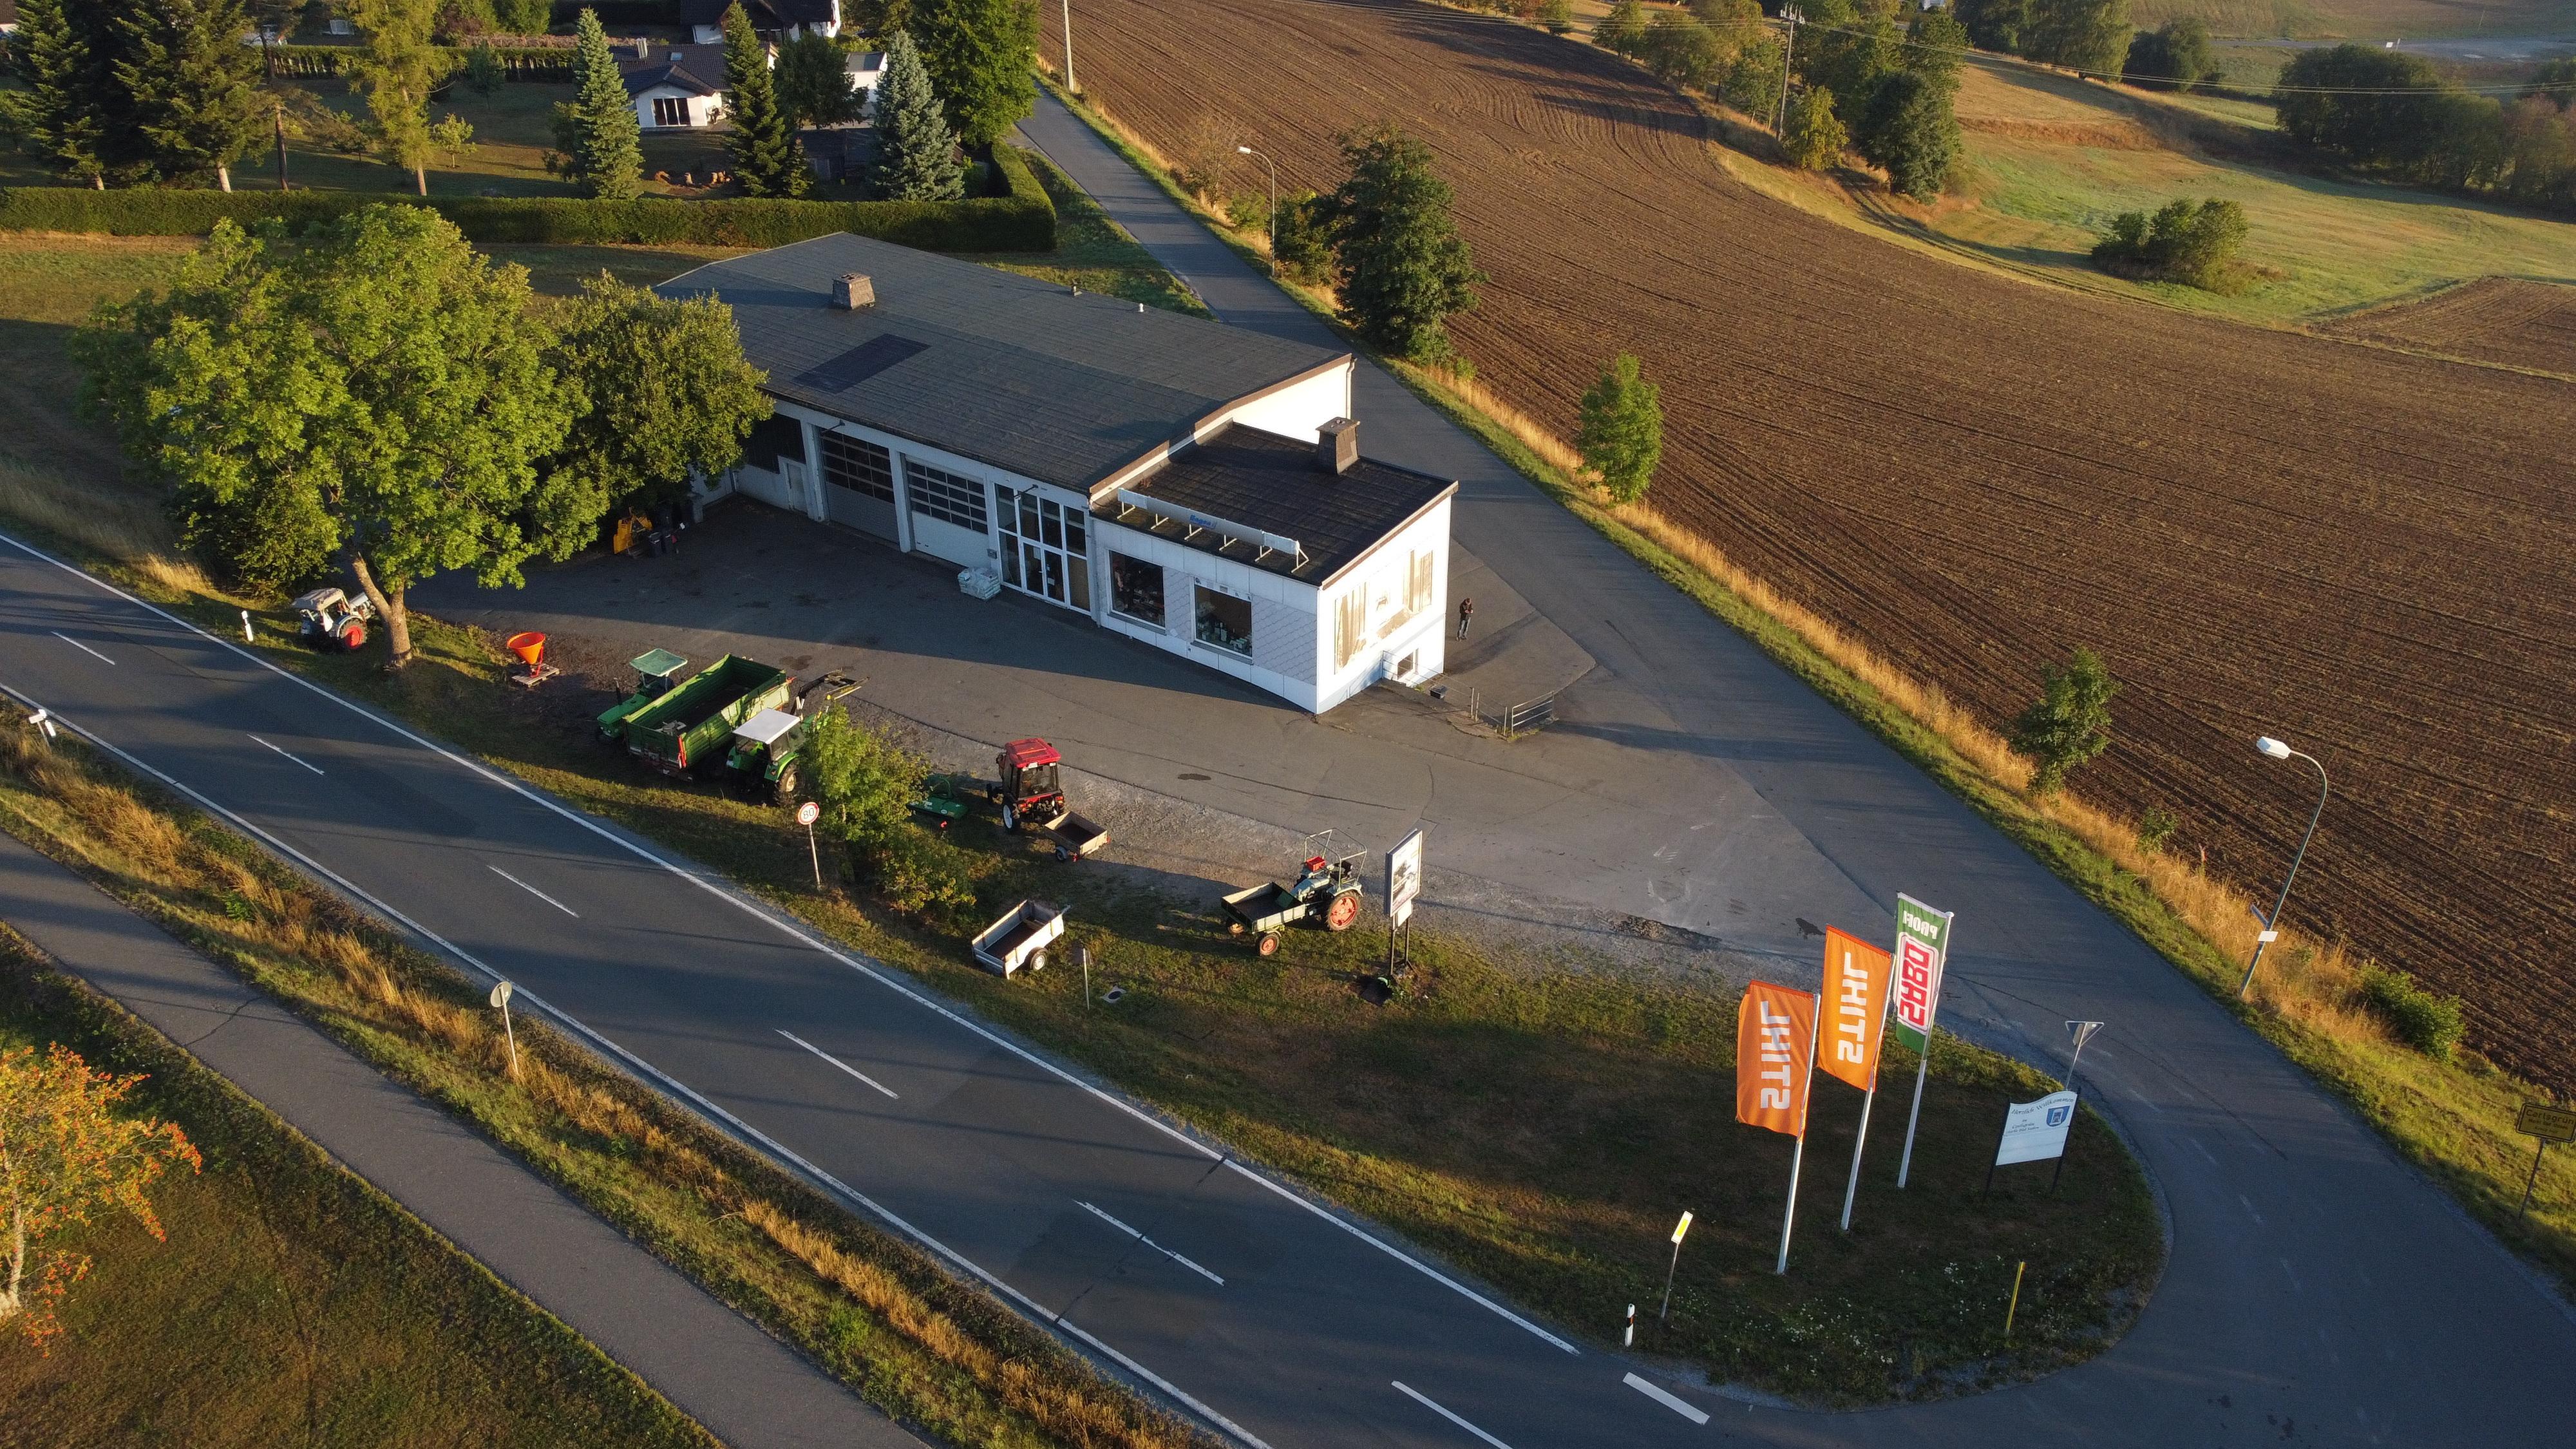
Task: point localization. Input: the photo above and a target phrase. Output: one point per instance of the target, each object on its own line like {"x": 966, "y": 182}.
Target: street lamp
{"x": 1274, "y": 205}
{"x": 2271, "y": 748}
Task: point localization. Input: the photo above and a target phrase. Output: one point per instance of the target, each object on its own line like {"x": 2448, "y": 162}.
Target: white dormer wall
{"x": 701, "y": 110}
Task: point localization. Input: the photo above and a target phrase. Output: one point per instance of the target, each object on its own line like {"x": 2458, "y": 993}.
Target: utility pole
{"x": 1780, "y": 119}
{"x": 1070, "y": 83}
{"x": 281, "y": 144}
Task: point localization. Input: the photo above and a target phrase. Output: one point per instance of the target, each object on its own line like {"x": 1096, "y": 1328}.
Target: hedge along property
{"x": 1192, "y": 486}
{"x": 1020, "y": 219}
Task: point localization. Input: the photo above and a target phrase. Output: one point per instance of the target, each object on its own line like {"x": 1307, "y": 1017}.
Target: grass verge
{"x": 2451, "y": 1118}
{"x": 917, "y": 1343}
{"x": 292, "y": 1300}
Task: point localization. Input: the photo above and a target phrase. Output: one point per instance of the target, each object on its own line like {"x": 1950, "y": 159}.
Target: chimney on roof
{"x": 1337, "y": 445}
{"x": 852, "y": 291}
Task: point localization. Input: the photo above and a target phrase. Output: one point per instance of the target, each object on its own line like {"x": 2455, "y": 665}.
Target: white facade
{"x": 665, "y": 108}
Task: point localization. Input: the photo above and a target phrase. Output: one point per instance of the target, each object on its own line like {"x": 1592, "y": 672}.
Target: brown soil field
{"x": 2500, "y": 319}
{"x": 2363, "y": 551}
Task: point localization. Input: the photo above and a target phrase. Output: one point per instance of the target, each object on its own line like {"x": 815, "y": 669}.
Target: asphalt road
{"x": 753, "y": 1391}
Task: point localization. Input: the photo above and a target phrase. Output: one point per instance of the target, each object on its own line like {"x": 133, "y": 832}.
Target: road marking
{"x": 2203, "y": 1151}
{"x": 1425, "y": 1402}
{"x": 514, "y": 880}
{"x": 836, "y": 1061}
{"x": 1687, "y": 1411}
{"x": 85, "y": 649}
{"x": 2293, "y": 1273}
{"x": 2249, "y": 1209}
{"x": 1158, "y": 1381}
{"x": 316, "y": 769}
{"x": 1157, "y": 1247}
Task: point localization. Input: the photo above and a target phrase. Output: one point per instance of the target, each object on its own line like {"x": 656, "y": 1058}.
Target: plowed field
{"x": 2369, "y": 553}
{"x": 2519, "y": 324}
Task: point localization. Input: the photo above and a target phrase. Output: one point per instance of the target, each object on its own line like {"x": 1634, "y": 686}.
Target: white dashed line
{"x": 316, "y": 769}
{"x": 85, "y": 649}
{"x": 1425, "y": 1402}
{"x": 523, "y": 885}
{"x": 836, "y": 1061}
{"x": 1695, "y": 1415}
{"x": 1149, "y": 1242}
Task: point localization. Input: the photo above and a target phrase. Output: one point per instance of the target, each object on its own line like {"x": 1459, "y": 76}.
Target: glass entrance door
{"x": 1045, "y": 548}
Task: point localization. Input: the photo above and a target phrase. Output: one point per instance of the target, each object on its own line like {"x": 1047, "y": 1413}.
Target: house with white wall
{"x": 773, "y": 19}
{"x": 676, "y": 87}
{"x": 1198, "y": 488}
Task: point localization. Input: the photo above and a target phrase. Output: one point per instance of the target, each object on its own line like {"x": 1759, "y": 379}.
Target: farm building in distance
{"x": 1192, "y": 486}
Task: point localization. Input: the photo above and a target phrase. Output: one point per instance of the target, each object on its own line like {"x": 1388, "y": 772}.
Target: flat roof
{"x": 1259, "y": 480}
{"x": 1025, "y": 375}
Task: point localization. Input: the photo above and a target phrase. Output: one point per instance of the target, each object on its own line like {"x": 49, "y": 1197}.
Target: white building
{"x": 1195, "y": 487}
{"x": 775, "y": 19}
{"x": 676, "y": 87}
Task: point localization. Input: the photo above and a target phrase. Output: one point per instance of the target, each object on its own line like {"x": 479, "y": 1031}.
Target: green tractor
{"x": 763, "y": 758}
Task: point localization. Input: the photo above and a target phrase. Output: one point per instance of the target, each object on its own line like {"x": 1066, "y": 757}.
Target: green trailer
{"x": 657, "y": 673}
{"x": 687, "y": 729}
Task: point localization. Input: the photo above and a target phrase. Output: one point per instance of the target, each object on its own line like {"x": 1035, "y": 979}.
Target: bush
{"x": 2069, "y": 723}
{"x": 922, "y": 876}
{"x": 2156, "y": 829}
{"x": 1020, "y": 220}
{"x": 2175, "y": 56}
{"x": 1302, "y": 247}
{"x": 1814, "y": 136}
{"x": 2430, "y": 1024}
{"x": 2194, "y": 243}
{"x": 1557, "y": 16}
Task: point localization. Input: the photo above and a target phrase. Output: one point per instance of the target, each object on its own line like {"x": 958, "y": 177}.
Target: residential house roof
{"x": 682, "y": 67}
{"x": 1255, "y": 480}
{"x": 765, "y": 14}
{"x": 1025, "y": 375}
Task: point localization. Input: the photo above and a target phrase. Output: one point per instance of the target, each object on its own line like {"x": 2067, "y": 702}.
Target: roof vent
{"x": 1337, "y": 445}
{"x": 852, "y": 291}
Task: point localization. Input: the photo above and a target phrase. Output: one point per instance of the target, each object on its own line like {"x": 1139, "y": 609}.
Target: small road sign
{"x": 2548, "y": 1123}
{"x": 808, "y": 813}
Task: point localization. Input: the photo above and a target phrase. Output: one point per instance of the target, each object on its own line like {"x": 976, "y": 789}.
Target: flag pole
{"x": 1851, "y": 1184}
{"x": 1905, "y": 1163}
{"x": 1798, "y": 1154}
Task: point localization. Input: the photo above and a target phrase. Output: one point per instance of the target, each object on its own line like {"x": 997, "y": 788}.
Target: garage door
{"x": 858, "y": 485}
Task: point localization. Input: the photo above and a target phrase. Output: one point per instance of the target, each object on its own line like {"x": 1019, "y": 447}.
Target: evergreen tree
{"x": 767, "y": 159}
{"x": 1910, "y": 130}
{"x": 58, "y": 115}
{"x": 1814, "y": 136}
{"x": 2086, "y": 35}
{"x": 398, "y": 67}
{"x": 1404, "y": 268}
{"x": 1846, "y": 47}
{"x": 1622, "y": 433}
{"x": 2069, "y": 723}
{"x": 982, "y": 58}
{"x": 193, "y": 86}
{"x": 813, "y": 75}
{"x": 1937, "y": 45}
{"x": 596, "y": 130}
{"x": 916, "y": 152}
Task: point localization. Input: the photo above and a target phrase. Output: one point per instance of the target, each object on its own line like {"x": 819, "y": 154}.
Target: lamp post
{"x": 1274, "y": 205}
{"x": 2271, "y": 748}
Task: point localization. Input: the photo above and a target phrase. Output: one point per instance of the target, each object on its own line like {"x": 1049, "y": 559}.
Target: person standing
{"x": 1466, "y": 611}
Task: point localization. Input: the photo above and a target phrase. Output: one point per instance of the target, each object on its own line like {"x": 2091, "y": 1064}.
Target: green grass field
{"x": 291, "y": 1302}
{"x": 2051, "y": 160}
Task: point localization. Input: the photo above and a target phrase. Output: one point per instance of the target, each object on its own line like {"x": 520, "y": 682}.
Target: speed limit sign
{"x": 808, "y": 813}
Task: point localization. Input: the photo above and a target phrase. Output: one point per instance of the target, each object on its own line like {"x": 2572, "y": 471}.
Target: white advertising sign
{"x": 1403, "y": 878}
{"x": 2036, "y": 1131}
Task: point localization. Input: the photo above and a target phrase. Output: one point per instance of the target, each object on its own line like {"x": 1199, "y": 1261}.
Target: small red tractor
{"x": 1031, "y": 794}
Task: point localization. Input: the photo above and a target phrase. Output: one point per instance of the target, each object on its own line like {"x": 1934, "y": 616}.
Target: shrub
{"x": 2194, "y": 243}
{"x": 2430, "y": 1024}
{"x": 1022, "y": 219}
{"x": 2173, "y": 56}
{"x": 922, "y": 876}
{"x": 2156, "y": 828}
{"x": 1623, "y": 30}
{"x": 1557, "y": 16}
{"x": 1814, "y": 136}
{"x": 2069, "y": 723}
{"x": 483, "y": 72}
{"x": 864, "y": 780}
{"x": 1622, "y": 436}
{"x": 1300, "y": 243}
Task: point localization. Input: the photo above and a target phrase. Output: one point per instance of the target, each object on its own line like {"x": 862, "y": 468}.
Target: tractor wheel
{"x": 1344, "y": 910}
{"x": 1268, "y": 945}
{"x": 353, "y": 636}
{"x": 784, "y": 789}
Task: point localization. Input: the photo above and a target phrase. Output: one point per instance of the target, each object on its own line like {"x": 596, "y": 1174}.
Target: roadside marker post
{"x": 2015, "y": 1306}
{"x": 2548, "y": 1124}
{"x": 806, "y": 815}
{"x": 501, "y": 998}
{"x": 1665, "y": 1312}
{"x": 1922, "y": 950}
{"x": 247, "y": 636}
{"x": 1629, "y": 1339}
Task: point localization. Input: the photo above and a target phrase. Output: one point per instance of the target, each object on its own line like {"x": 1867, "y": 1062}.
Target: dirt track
{"x": 2365, "y": 552}
{"x": 2500, "y": 319}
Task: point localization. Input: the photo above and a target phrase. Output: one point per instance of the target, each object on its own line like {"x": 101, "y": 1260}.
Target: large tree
{"x": 1622, "y": 433}
{"x": 767, "y": 160}
{"x": 68, "y": 1152}
{"x": 379, "y": 389}
{"x": 596, "y": 130}
{"x": 814, "y": 81}
{"x": 1404, "y": 270}
{"x": 917, "y": 156}
{"x": 1682, "y": 52}
{"x": 982, "y": 57}
{"x": 1911, "y": 130}
{"x": 397, "y": 68}
{"x": 61, "y": 56}
{"x": 192, "y": 85}
{"x": 659, "y": 390}
{"x": 2085, "y": 35}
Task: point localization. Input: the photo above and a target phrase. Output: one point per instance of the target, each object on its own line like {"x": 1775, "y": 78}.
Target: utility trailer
{"x": 1018, "y": 941}
{"x": 686, "y": 729}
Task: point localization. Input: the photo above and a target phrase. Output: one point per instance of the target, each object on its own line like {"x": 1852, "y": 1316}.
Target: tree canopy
{"x": 814, "y": 81}
{"x": 596, "y": 131}
{"x": 1814, "y": 136}
{"x": 192, "y": 85}
{"x": 1404, "y": 269}
{"x": 2173, "y": 56}
{"x": 1682, "y": 52}
{"x": 1910, "y": 130}
{"x": 917, "y": 156}
{"x": 63, "y": 59}
{"x": 70, "y": 1153}
{"x": 1623, "y": 30}
{"x": 767, "y": 161}
{"x": 2070, "y": 723}
{"x": 626, "y": 358}
{"x": 1622, "y": 433}
{"x": 982, "y": 58}
{"x": 397, "y": 68}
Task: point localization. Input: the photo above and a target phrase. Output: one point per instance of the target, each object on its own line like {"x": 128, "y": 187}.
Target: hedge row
{"x": 310, "y": 60}
{"x": 1022, "y": 219}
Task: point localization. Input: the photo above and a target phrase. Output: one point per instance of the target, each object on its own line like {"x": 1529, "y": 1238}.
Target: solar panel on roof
{"x": 861, "y": 362}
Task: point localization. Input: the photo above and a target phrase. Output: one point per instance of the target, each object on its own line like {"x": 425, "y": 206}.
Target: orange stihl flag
{"x": 1775, "y": 1046}
{"x": 1855, "y": 1008}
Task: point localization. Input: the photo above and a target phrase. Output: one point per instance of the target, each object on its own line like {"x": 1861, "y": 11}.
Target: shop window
{"x": 937, "y": 493}
{"x": 1224, "y": 621}
{"x": 1136, "y": 589}
{"x": 858, "y": 465}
